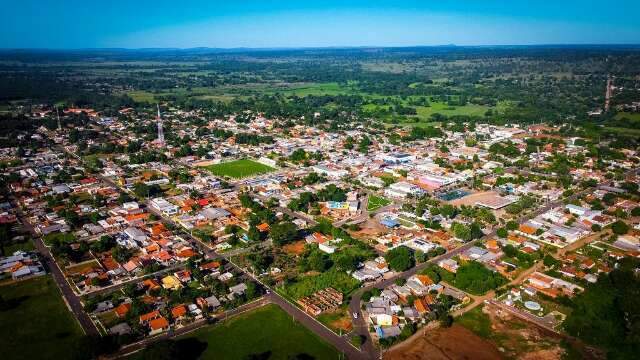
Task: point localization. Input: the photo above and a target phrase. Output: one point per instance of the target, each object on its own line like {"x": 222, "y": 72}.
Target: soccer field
{"x": 376, "y": 202}
{"x": 239, "y": 169}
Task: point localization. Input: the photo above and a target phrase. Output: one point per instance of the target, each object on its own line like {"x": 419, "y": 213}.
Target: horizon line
{"x": 337, "y": 47}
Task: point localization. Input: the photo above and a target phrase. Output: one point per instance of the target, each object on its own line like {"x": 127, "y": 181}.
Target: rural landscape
{"x": 319, "y": 202}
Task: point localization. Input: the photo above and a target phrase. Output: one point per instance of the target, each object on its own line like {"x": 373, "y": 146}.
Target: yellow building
{"x": 171, "y": 282}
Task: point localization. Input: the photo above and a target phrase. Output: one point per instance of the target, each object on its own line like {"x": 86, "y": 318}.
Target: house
{"x": 449, "y": 265}
{"x": 365, "y": 274}
{"x": 237, "y": 290}
{"x": 123, "y": 309}
{"x": 178, "y": 312}
{"x": 388, "y": 332}
{"x": 158, "y": 325}
{"x": 146, "y": 318}
{"x": 120, "y": 329}
{"x": 171, "y": 282}
{"x": 208, "y": 304}
{"x": 325, "y": 247}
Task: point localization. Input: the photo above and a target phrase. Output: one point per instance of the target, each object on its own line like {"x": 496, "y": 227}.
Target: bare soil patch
{"x": 451, "y": 343}
{"x": 295, "y": 248}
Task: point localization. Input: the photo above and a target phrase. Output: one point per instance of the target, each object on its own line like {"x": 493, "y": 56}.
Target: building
{"x": 164, "y": 206}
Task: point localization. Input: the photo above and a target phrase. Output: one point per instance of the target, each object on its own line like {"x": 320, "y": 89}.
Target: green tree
{"x": 400, "y": 258}
{"x": 620, "y": 227}
{"x": 283, "y": 233}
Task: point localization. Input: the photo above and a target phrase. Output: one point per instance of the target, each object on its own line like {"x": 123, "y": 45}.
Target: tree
{"x": 254, "y": 234}
{"x": 510, "y": 250}
{"x": 318, "y": 261}
{"x": 400, "y": 258}
{"x": 512, "y": 225}
{"x": 121, "y": 254}
{"x": 420, "y": 256}
{"x": 477, "y": 279}
{"x": 620, "y": 227}
{"x": 502, "y": 232}
{"x": 283, "y": 233}
{"x": 549, "y": 261}
{"x": 346, "y": 262}
{"x": 607, "y": 313}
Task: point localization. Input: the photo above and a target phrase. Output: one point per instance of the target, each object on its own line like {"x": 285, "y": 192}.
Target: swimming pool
{"x": 453, "y": 195}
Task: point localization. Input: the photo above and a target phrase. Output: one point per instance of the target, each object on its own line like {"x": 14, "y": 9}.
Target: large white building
{"x": 164, "y": 206}
{"x": 402, "y": 190}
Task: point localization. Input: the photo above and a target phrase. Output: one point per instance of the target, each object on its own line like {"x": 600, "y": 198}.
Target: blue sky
{"x": 268, "y": 23}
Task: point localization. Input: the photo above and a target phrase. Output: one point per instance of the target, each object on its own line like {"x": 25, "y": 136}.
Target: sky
{"x": 72, "y": 24}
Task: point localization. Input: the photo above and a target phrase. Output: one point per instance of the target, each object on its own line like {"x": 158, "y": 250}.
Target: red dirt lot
{"x": 454, "y": 343}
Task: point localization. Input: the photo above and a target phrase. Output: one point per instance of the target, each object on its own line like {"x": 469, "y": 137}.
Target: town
{"x": 139, "y": 222}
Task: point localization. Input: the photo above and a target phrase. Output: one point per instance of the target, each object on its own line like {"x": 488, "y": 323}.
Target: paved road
{"x": 340, "y": 343}
{"x": 360, "y": 325}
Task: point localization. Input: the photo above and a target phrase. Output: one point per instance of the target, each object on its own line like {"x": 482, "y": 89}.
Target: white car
{"x": 355, "y": 315}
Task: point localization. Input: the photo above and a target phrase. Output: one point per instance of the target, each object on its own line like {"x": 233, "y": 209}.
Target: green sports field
{"x": 376, "y": 202}
{"x": 239, "y": 169}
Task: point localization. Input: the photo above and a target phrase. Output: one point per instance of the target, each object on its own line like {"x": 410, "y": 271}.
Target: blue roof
{"x": 389, "y": 223}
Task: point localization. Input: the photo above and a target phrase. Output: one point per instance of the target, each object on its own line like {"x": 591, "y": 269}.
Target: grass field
{"x": 376, "y": 202}
{"x": 476, "y": 321}
{"x": 316, "y": 89}
{"x": 425, "y": 112}
{"x": 265, "y": 330}
{"x": 228, "y": 93}
{"x": 23, "y": 246}
{"x": 239, "y": 169}
{"x": 35, "y": 321}
{"x": 628, "y": 115}
{"x": 624, "y": 131}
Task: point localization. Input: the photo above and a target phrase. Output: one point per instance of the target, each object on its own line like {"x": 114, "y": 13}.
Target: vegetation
{"x": 35, "y": 321}
{"x": 239, "y": 169}
{"x": 607, "y": 313}
{"x": 309, "y": 284}
{"x": 267, "y": 332}
{"x": 400, "y": 258}
{"x": 472, "y": 277}
{"x": 376, "y": 202}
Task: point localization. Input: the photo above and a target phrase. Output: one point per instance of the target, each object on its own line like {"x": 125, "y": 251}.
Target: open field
{"x": 239, "y": 169}
{"x": 516, "y": 338}
{"x": 472, "y": 198}
{"x": 314, "y": 89}
{"x": 337, "y": 320}
{"x": 35, "y": 321}
{"x": 267, "y": 330}
{"x": 376, "y": 202}
{"x": 424, "y": 112}
{"x": 624, "y": 131}
{"x": 628, "y": 115}
{"x": 22, "y": 246}
{"x": 455, "y": 342}
{"x": 229, "y": 92}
